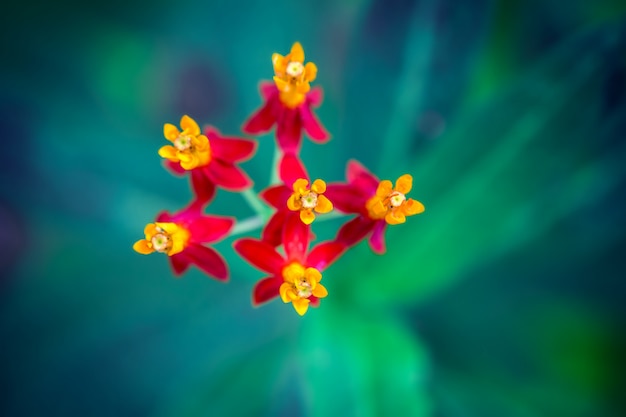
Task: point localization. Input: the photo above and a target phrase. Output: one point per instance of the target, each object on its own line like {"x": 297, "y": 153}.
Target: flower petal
{"x": 354, "y": 231}
{"x": 324, "y": 254}
{"x": 227, "y": 175}
{"x": 142, "y": 247}
{"x": 208, "y": 260}
{"x": 265, "y": 290}
{"x": 231, "y": 149}
{"x": 208, "y": 229}
{"x": 260, "y": 254}
{"x": 293, "y": 203}
{"x": 284, "y": 288}
{"x": 377, "y": 239}
{"x": 276, "y": 196}
{"x": 291, "y": 168}
{"x": 307, "y": 216}
{"x": 180, "y": 263}
{"x": 297, "y": 52}
{"x": 189, "y": 125}
{"x": 168, "y": 152}
{"x": 346, "y": 198}
{"x": 170, "y": 132}
{"x": 384, "y": 189}
{"x": 404, "y": 184}
{"x": 315, "y": 96}
{"x": 361, "y": 178}
{"x": 310, "y": 71}
{"x": 262, "y": 120}
{"x": 395, "y": 217}
{"x": 202, "y": 186}
{"x": 174, "y": 167}
{"x": 412, "y": 207}
{"x": 301, "y": 305}
{"x": 273, "y": 231}
{"x": 318, "y": 186}
{"x": 323, "y": 204}
{"x": 311, "y": 125}
{"x": 320, "y": 291}
{"x": 295, "y": 238}
{"x": 289, "y": 130}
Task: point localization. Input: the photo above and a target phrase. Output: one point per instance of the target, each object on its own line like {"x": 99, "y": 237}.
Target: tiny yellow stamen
{"x": 308, "y": 200}
{"x": 191, "y": 149}
{"x": 169, "y": 238}
{"x": 292, "y": 76}
{"x": 390, "y": 203}
{"x": 300, "y": 284}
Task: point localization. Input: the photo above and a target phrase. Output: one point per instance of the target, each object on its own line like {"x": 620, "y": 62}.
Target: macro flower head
{"x": 376, "y": 203}
{"x": 183, "y": 237}
{"x": 294, "y": 276}
{"x": 210, "y": 157}
{"x": 288, "y": 102}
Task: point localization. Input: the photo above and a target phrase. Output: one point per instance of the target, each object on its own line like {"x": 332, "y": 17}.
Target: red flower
{"x": 181, "y": 237}
{"x": 295, "y": 275}
{"x": 375, "y": 202}
{"x": 289, "y": 120}
{"x": 211, "y": 158}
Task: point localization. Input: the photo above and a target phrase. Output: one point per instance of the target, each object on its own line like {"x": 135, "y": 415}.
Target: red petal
{"x": 207, "y": 229}
{"x": 208, "y": 260}
{"x": 377, "y": 240}
{"x": 276, "y": 196}
{"x": 202, "y": 186}
{"x": 273, "y": 231}
{"x": 312, "y": 126}
{"x": 266, "y": 289}
{"x": 164, "y": 216}
{"x": 174, "y": 167}
{"x": 325, "y": 254}
{"x": 289, "y": 130}
{"x": 295, "y": 237}
{"x": 346, "y": 198}
{"x": 290, "y": 169}
{"x": 180, "y": 263}
{"x": 261, "y": 121}
{"x": 361, "y": 178}
{"x": 315, "y": 96}
{"x": 268, "y": 89}
{"x": 260, "y": 254}
{"x": 227, "y": 175}
{"x": 230, "y": 149}
{"x": 355, "y": 230}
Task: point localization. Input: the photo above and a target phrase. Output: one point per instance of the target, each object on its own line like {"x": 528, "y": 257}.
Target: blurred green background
{"x": 505, "y": 298}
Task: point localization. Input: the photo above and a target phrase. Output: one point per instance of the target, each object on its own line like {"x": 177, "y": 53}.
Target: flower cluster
{"x": 286, "y": 249}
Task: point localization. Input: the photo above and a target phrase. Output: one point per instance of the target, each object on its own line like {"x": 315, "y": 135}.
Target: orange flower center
{"x": 309, "y": 200}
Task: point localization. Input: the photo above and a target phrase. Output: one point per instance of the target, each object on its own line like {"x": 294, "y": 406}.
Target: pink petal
{"x": 354, "y": 231}
{"x": 377, "y": 240}
{"x": 227, "y": 175}
{"x": 262, "y": 120}
{"x": 164, "y": 216}
{"x": 268, "y": 89}
{"x": 346, "y": 198}
{"x": 260, "y": 254}
{"x": 314, "y": 301}
{"x": 324, "y": 254}
{"x": 289, "y": 130}
{"x": 202, "y": 186}
{"x": 312, "y": 126}
{"x": 231, "y": 149}
{"x": 207, "y": 229}
{"x": 174, "y": 167}
{"x": 315, "y": 96}
{"x": 360, "y": 177}
{"x": 208, "y": 260}
{"x": 273, "y": 231}
{"x": 276, "y": 196}
{"x": 180, "y": 263}
{"x": 295, "y": 237}
{"x": 290, "y": 169}
{"x": 266, "y": 289}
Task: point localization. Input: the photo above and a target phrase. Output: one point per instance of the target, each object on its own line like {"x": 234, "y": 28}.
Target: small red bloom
{"x": 211, "y": 158}
{"x": 295, "y": 275}
{"x": 377, "y": 203}
{"x": 181, "y": 237}
{"x": 288, "y": 102}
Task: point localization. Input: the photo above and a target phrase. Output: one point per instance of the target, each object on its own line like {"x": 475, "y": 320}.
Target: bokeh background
{"x": 505, "y": 298}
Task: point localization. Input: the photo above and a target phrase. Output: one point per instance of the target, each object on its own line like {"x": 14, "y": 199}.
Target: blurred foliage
{"x": 505, "y": 298}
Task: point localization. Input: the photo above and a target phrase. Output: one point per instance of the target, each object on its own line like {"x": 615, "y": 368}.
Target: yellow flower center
{"x": 396, "y": 199}
{"x": 183, "y": 143}
{"x": 390, "y": 203}
{"x": 295, "y": 69}
{"x": 189, "y": 146}
{"x": 161, "y": 242}
{"x": 169, "y": 238}
{"x": 300, "y": 284}
{"x": 309, "y": 201}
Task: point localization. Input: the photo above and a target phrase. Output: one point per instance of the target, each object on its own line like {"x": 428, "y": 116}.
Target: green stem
{"x": 248, "y": 225}
{"x": 255, "y": 202}
{"x": 274, "y": 175}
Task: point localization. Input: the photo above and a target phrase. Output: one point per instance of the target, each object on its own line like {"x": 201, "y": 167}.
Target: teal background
{"x": 505, "y": 298}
